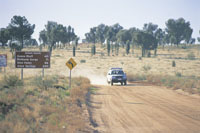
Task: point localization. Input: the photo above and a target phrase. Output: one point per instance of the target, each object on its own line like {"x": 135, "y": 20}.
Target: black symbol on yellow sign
{"x": 71, "y": 63}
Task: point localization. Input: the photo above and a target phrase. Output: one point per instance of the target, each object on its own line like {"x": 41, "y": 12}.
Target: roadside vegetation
{"x": 43, "y": 105}
{"x": 188, "y": 84}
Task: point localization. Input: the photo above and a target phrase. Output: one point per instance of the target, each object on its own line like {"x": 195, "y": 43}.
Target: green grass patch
{"x": 93, "y": 90}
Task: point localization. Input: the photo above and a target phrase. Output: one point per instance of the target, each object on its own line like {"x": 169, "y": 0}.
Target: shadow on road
{"x": 132, "y": 84}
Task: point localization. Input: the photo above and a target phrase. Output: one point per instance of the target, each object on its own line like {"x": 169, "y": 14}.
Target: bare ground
{"x": 144, "y": 108}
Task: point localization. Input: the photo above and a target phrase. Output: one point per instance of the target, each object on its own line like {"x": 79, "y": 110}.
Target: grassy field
{"x": 39, "y": 105}
{"x": 187, "y": 61}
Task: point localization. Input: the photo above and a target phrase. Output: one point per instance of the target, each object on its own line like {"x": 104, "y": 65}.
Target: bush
{"x": 136, "y": 77}
{"x": 47, "y": 82}
{"x": 146, "y": 68}
{"x": 175, "y": 82}
{"x": 178, "y": 74}
{"x": 173, "y": 63}
{"x": 30, "y": 109}
{"x": 12, "y": 81}
{"x": 82, "y": 61}
{"x": 191, "y": 56}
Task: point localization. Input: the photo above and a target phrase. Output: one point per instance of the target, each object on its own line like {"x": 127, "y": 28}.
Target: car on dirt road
{"x": 116, "y": 75}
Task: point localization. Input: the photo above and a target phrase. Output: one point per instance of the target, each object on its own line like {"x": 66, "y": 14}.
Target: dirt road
{"x": 138, "y": 108}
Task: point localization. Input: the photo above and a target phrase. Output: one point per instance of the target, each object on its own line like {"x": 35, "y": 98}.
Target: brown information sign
{"x": 32, "y": 60}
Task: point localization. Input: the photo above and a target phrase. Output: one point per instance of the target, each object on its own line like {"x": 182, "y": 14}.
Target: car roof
{"x": 116, "y": 68}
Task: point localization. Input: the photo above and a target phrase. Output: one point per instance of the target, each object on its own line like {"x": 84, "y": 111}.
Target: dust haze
{"x": 95, "y": 77}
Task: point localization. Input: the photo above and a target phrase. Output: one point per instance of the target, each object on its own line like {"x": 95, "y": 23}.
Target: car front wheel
{"x": 125, "y": 83}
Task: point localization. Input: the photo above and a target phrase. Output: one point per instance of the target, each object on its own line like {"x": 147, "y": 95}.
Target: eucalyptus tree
{"x": 91, "y": 37}
{"x": 146, "y": 41}
{"x": 160, "y": 34}
{"x": 101, "y": 33}
{"x": 127, "y": 47}
{"x": 20, "y": 29}
{"x": 43, "y": 37}
{"x": 133, "y": 32}
{"x": 178, "y": 30}
{"x": 55, "y": 33}
{"x": 4, "y": 36}
{"x": 153, "y": 30}
{"x": 150, "y": 28}
{"x": 112, "y": 32}
{"x": 123, "y": 36}
{"x": 198, "y": 38}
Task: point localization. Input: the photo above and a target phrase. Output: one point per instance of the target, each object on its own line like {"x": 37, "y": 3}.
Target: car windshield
{"x": 117, "y": 72}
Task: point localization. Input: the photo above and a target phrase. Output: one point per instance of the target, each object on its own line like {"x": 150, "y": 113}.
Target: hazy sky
{"x": 84, "y": 14}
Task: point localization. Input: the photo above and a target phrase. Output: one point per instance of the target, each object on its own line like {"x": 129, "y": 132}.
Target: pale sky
{"x": 84, "y": 14}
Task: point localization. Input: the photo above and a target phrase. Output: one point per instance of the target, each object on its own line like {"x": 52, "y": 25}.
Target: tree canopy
{"x": 4, "y": 36}
{"x": 55, "y": 33}
{"x": 146, "y": 40}
{"x": 178, "y": 30}
{"x": 103, "y": 32}
{"x": 20, "y": 29}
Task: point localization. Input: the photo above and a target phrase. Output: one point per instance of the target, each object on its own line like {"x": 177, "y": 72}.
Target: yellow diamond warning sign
{"x": 71, "y": 63}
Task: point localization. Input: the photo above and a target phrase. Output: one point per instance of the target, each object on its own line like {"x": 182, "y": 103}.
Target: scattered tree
{"x": 20, "y": 29}
{"x": 4, "y": 36}
{"x": 178, "y": 30}
{"x": 146, "y": 41}
{"x": 116, "y": 49}
{"x": 108, "y": 47}
{"x": 55, "y": 33}
{"x": 123, "y": 36}
{"x": 93, "y": 50}
{"x": 74, "y": 51}
{"x": 127, "y": 47}
{"x": 198, "y": 38}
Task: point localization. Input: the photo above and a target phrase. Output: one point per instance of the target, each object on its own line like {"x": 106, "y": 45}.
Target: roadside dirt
{"x": 143, "y": 108}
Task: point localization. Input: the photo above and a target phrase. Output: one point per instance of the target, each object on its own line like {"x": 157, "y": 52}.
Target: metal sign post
{"x": 70, "y": 64}
{"x": 21, "y": 73}
{"x": 43, "y": 72}
{"x": 70, "y": 78}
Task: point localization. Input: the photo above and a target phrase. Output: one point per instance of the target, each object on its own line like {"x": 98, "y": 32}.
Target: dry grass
{"x": 161, "y": 64}
{"x": 37, "y": 106}
{"x": 188, "y": 84}
{"x": 32, "y": 108}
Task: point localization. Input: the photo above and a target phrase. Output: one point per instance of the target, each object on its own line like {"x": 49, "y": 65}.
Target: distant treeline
{"x": 19, "y": 32}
